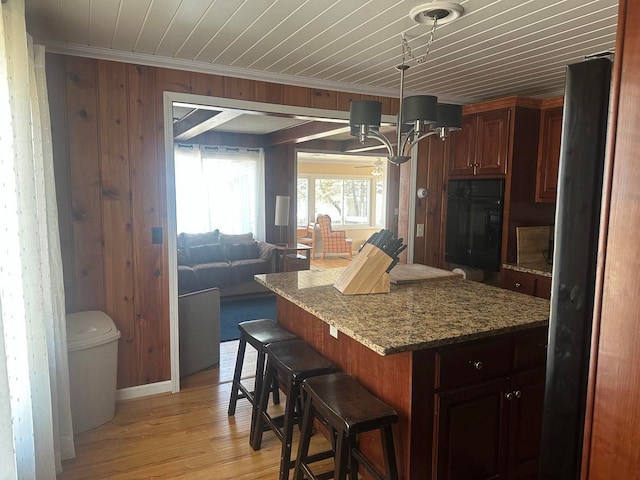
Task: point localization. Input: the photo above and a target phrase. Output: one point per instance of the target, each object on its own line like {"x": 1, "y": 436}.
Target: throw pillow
{"x": 241, "y": 238}
{"x": 196, "y": 239}
{"x": 207, "y": 254}
{"x": 242, "y": 251}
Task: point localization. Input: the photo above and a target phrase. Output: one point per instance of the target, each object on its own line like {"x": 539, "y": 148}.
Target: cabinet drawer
{"x": 518, "y": 281}
{"x": 476, "y": 362}
{"x": 530, "y": 349}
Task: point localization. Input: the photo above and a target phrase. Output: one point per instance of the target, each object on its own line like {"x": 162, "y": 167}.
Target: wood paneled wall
{"x": 108, "y": 139}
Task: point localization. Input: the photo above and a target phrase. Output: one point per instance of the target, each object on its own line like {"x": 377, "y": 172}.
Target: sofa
{"x": 223, "y": 261}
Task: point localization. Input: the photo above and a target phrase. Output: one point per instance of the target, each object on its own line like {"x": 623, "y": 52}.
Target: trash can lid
{"x": 89, "y": 329}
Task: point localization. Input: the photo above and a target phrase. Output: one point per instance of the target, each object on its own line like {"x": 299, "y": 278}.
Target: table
{"x": 293, "y": 258}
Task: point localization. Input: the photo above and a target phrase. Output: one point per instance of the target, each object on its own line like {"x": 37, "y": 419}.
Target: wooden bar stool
{"x": 258, "y": 334}
{"x": 288, "y": 363}
{"x": 348, "y": 409}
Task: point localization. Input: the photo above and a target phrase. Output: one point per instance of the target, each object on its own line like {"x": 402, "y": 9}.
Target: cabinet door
{"x": 462, "y": 148}
{"x": 525, "y": 424}
{"x": 492, "y": 143}
{"x": 471, "y": 432}
{"x": 548, "y": 155}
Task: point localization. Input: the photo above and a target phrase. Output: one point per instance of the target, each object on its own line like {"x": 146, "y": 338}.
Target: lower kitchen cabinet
{"x": 490, "y": 428}
{"x": 524, "y": 282}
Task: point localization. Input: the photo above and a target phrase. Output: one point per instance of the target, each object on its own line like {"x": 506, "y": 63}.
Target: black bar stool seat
{"x": 288, "y": 364}
{"x": 258, "y": 334}
{"x": 348, "y": 409}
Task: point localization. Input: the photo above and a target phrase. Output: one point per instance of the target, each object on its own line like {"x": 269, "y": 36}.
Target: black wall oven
{"x": 474, "y": 223}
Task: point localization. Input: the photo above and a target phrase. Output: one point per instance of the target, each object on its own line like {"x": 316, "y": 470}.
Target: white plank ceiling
{"x": 497, "y": 48}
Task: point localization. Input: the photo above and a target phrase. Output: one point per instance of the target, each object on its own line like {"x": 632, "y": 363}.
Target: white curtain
{"x": 35, "y": 417}
{"x": 220, "y": 187}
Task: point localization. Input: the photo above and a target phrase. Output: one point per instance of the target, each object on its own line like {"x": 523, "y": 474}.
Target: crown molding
{"x": 224, "y": 70}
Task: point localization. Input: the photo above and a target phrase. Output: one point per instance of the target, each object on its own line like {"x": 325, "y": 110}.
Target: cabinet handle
{"x": 508, "y": 396}
{"x": 476, "y": 365}
{"x": 518, "y": 285}
{"x": 517, "y": 393}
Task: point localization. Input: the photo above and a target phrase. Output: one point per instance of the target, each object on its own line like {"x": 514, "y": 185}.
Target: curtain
{"x": 35, "y": 416}
{"x": 220, "y": 187}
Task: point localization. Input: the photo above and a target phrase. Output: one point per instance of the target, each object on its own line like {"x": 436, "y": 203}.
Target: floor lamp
{"x": 282, "y": 214}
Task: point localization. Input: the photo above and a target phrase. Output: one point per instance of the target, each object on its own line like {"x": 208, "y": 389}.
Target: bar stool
{"x": 288, "y": 363}
{"x": 348, "y": 409}
{"x": 259, "y": 334}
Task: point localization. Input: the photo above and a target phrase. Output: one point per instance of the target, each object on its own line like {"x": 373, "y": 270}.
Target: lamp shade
{"x": 365, "y": 112}
{"x": 419, "y": 107}
{"x": 282, "y": 211}
{"x": 449, "y": 116}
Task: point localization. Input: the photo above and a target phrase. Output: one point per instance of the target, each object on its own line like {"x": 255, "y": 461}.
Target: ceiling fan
{"x": 377, "y": 168}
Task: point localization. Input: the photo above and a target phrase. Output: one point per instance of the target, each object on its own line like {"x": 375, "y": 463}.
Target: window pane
{"x": 380, "y": 204}
{"x": 303, "y": 202}
{"x": 356, "y": 201}
{"x": 329, "y": 199}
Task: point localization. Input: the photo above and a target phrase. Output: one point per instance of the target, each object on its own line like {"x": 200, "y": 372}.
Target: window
{"x": 219, "y": 187}
{"x": 348, "y": 200}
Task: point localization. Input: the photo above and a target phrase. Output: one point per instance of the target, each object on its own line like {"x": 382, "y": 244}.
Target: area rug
{"x": 233, "y": 312}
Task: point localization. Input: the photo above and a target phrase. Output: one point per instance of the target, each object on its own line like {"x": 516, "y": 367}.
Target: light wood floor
{"x": 184, "y": 435}
{"x": 188, "y": 434}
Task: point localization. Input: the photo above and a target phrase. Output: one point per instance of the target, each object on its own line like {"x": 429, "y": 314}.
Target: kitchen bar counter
{"x": 412, "y": 316}
{"x": 536, "y": 268}
{"x": 426, "y": 348}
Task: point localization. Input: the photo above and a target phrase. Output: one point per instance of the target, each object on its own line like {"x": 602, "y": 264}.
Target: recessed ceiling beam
{"x": 201, "y": 121}
{"x": 306, "y": 132}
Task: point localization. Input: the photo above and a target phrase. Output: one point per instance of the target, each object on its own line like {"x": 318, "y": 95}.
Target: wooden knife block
{"x": 367, "y": 273}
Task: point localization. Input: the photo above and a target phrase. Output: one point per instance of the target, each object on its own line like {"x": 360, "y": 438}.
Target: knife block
{"x": 367, "y": 273}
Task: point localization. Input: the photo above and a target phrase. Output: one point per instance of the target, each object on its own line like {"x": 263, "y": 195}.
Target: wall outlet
{"x": 333, "y": 331}
{"x": 420, "y": 230}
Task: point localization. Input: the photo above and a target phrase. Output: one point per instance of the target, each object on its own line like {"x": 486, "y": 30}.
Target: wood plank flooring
{"x": 183, "y": 435}
{"x": 188, "y": 434}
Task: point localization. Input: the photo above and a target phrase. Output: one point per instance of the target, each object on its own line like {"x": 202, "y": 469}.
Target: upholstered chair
{"x": 333, "y": 241}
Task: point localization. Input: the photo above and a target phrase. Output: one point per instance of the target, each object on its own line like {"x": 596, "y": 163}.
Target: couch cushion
{"x": 195, "y": 239}
{"x": 210, "y": 253}
{"x": 242, "y": 251}
{"x": 218, "y": 274}
{"x": 244, "y": 270}
{"x": 241, "y": 238}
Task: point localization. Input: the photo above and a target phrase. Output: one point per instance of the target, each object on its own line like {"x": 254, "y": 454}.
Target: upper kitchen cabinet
{"x": 549, "y": 153}
{"x": 481, "y": 148}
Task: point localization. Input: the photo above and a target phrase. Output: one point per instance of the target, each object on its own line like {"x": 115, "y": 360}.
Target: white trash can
{"x": 92, "y": 341}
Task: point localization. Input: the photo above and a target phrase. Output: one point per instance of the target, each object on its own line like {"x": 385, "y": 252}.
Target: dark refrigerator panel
{"x": 577, "y": 224}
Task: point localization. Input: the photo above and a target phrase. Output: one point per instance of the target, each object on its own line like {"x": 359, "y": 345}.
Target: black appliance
{"x": 580, "y": 177}
{"x": 474, "y": 223}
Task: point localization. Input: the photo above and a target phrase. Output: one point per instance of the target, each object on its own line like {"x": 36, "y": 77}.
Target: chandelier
{"x": 419, "y": 116}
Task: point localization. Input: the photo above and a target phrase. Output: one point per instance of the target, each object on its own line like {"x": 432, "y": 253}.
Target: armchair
{"x": 333, "y": 241}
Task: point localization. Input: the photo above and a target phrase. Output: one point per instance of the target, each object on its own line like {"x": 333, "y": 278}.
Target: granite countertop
{"x": 411, "y": 316}
{"x": 537, "y": 268}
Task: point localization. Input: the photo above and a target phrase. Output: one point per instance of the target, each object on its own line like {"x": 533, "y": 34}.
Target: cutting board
{"x": 401, "y": 274}
{"x": 531, "y": 241}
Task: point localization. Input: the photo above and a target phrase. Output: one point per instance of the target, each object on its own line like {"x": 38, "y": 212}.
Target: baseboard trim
{"x": 143, "y": 390}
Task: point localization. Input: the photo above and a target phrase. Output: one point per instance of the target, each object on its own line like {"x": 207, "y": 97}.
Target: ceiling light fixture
{"x": 377, "y": 169}
{"x": 421, "y": 115}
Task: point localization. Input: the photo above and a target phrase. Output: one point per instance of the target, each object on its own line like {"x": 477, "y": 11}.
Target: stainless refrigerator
{"x": 577, "y": 223}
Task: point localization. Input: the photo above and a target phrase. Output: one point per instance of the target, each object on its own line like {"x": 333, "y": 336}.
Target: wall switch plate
{"x": 333, "y": 331}
{"x": 156, "y": 235}
{"x": 420, "y": 230}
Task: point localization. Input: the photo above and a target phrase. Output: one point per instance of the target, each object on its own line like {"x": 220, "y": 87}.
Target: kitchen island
{"x": 448, "y": 355}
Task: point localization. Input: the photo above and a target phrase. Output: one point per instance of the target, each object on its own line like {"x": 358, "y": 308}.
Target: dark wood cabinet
{"x": 524, "y": 282}
{"x": 482, "y": 146}
{"x": 548, "y": 154}
{"x": 471, "y": 432}
{"x": 525, "y": 424}
{"x": 490, "y": 429}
